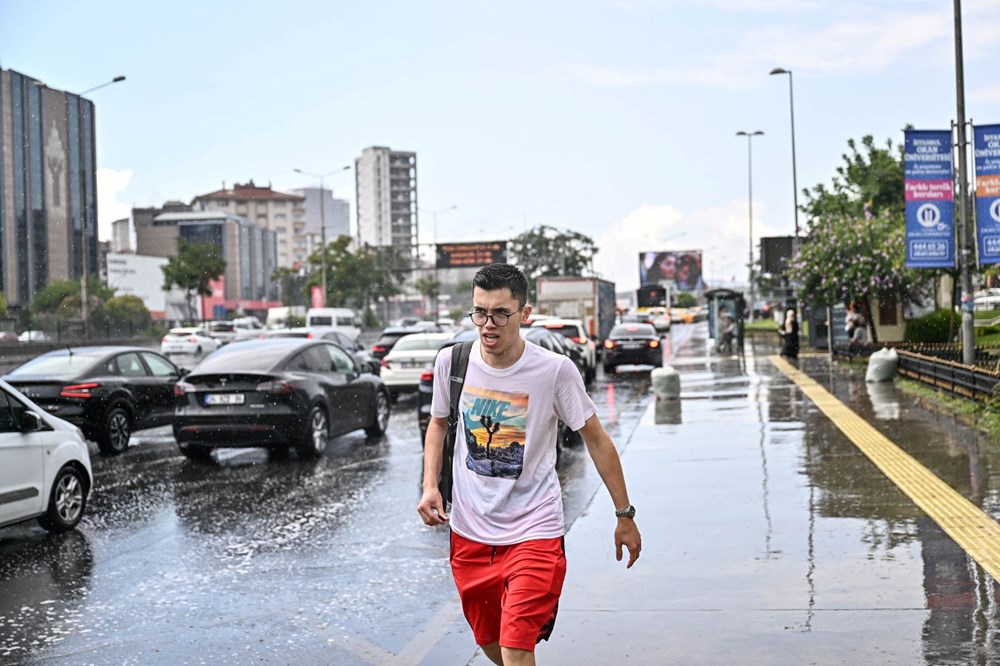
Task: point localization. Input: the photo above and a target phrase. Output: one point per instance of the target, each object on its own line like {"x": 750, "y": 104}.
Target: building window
{"x": 241, "y": 209}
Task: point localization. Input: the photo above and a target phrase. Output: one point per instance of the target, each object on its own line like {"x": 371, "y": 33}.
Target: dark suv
{"x": 390, "y": 336}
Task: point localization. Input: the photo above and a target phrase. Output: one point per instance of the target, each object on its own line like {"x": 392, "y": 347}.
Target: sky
{"x": 615, "y": 118}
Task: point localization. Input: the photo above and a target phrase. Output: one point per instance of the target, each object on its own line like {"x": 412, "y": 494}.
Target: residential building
{"x": 387, "y": 199}
{"x": 283, "y": 214}
{"x": 156, "y": 241}
{"x": 120, "y": 235}
{"x": 48, "y": 191}
{"x": 337, "y": 213}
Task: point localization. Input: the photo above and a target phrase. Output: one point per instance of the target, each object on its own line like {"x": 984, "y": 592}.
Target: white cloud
{"x": 856, "y": 39}
{"x": 110, "y": 185}
{"x": 720, "y": 232}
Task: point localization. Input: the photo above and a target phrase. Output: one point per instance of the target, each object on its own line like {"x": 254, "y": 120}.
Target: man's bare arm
{"x": 609, "y": 466}
{"x": 431, "y": 507}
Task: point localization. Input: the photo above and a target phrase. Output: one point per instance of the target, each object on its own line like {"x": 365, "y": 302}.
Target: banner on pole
{"x": 987, "y": 152}
{"x": 930, "y": 199}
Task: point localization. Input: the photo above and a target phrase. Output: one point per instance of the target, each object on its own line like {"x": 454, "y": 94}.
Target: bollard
{"x": 666, "y": 383}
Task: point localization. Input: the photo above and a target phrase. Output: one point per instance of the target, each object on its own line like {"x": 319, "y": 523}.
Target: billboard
{"x": 930, "y": 199}
{"x": 141, "y": 276}
{"x": 471, "y": 255}
{"x": 676, "y": 270}
{"x": 987, "y": 160}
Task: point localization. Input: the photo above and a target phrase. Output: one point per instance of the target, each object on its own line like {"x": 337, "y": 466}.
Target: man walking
{"x": 506, "y": 521}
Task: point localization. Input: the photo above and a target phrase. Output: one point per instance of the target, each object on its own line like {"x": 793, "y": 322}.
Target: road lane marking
{"x": 974, "y": 531}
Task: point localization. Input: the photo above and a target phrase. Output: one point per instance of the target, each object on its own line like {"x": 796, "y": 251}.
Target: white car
{"x": 188, "y": 340}
{"x": 33, "y": 336}
{"x": 45, "y": 469}
{"x": 407, "y": 360}
{"x": 576, "y": 334}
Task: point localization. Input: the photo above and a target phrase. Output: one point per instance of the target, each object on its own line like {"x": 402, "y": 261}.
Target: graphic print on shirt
{"x": 495, "y": 424}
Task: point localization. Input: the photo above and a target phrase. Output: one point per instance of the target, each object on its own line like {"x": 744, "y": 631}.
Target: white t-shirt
{"x": 506, "y": 489}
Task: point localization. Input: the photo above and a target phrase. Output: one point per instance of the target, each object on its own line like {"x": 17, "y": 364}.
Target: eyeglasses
{"x": 499, "y": 318}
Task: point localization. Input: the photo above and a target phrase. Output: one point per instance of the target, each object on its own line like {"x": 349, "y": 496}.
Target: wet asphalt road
{"x": 254, "y": 557}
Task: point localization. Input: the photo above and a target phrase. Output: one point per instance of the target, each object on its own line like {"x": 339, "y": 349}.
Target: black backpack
{"x": 459, "y": 364}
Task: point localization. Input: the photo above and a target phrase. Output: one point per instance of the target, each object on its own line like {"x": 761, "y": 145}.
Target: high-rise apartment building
{"x": 48, "y": 190}
{"x": 387, "y": 199}
{"x": 284, "y": 214}
{"x": 336, "y": 212}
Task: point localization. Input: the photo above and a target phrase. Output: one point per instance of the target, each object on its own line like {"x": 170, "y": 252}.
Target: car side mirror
{"x": 30, "y": 422}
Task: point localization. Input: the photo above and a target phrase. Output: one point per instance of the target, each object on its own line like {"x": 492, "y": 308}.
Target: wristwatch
{"x": 627, "y": 512}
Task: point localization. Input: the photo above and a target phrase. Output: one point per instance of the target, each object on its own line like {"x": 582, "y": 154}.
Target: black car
{"x": 390, "y": 336}
{"x": 362, "y": 356}
{"x": 276, "y": 393}
{"x": 539, "y": 336}
{"x": 632, "y": 344}
{"x": 108, "y": 392}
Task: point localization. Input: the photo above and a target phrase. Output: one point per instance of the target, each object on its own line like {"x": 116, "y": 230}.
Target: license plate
{"x": 633, "y": 345}
{"x": 224, "y": 399}
{"x": 411, "y": 364}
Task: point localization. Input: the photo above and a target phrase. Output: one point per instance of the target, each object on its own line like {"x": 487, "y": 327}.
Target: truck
{"x": 589, "y": 299}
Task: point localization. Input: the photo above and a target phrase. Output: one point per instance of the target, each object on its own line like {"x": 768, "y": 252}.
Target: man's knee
{"x": 516, "y": 657}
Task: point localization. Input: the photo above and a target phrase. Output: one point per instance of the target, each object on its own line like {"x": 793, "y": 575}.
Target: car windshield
{"x": 245, "y": 357}
{"x": 58, "y": 365}
{"x": 418, "y": 343}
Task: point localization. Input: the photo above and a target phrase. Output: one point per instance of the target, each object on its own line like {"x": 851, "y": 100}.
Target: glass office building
{"x": 48, "y": 187}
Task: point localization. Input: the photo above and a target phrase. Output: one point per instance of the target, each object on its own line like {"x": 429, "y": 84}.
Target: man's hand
{"x": 431, "y": 509}
{"x": 627, "y": 534}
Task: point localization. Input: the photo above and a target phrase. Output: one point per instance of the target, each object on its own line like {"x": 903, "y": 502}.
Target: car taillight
{"x": 193, "y": 339}
{"x": 384, "y": 363}
{"x": 180, "y": 388}
{"x": 580, "y": 340}
{"x": 164, "y": 338}
{"x": 609, "y": 344}
{"x": 378, "y": 349}
{"x": 78, "y": 391}
{"x": 654, "y": 343}
{"x": 427, "y": 376}
{"x": 277, "y": 387}
{"x": 310, "y": 335}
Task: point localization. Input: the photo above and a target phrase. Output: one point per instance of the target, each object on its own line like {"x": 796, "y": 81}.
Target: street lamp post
{"x": 84, "y": 263}
{"x": 434, "y": 217}
{"x": 750, "y": 136}
{"x": 965, "y": 254}
{"x": 791, "y": 107}
{"x": 322, "y": 221}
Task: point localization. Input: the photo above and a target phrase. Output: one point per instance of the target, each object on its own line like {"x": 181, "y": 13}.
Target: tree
{"x": 545, "y": 251}
{"x": 291, "y": 286}
{"x": 855, "y": 246}
{"x": 192, "y": 269}
{"x": 127, "y": 314}
{"x": 3, "y": 305}
{"x": 430, "y": 288}
{"x": 357, "y": 279}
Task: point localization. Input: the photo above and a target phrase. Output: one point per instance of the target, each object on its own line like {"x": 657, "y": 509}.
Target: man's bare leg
{"x": 515, "y": 657}
{"x": 493, "y": 652}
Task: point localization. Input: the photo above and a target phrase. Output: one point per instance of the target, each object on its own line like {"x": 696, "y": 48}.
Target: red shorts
{"x": 509, "y": 593}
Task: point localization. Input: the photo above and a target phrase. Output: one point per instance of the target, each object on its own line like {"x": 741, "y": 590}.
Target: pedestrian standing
{"x": 789, "y": 330}
{"x": 506, "y": 519}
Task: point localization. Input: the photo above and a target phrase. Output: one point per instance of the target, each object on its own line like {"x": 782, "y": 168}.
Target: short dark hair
{"x": 503, "y": 276}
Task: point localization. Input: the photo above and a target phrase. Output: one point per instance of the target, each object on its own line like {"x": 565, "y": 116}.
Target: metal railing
{"x": 968, "y": 381}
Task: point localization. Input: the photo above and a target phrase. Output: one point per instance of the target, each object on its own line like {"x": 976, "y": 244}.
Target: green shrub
{"x": 933, "y": 327}
{"x": 982, "y": 331}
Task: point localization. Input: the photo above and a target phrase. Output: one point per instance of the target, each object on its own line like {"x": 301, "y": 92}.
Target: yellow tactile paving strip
{"x": 975, "y": 532}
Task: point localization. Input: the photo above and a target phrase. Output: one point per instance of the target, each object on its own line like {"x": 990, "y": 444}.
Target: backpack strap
{"x": 459, "y": 364}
